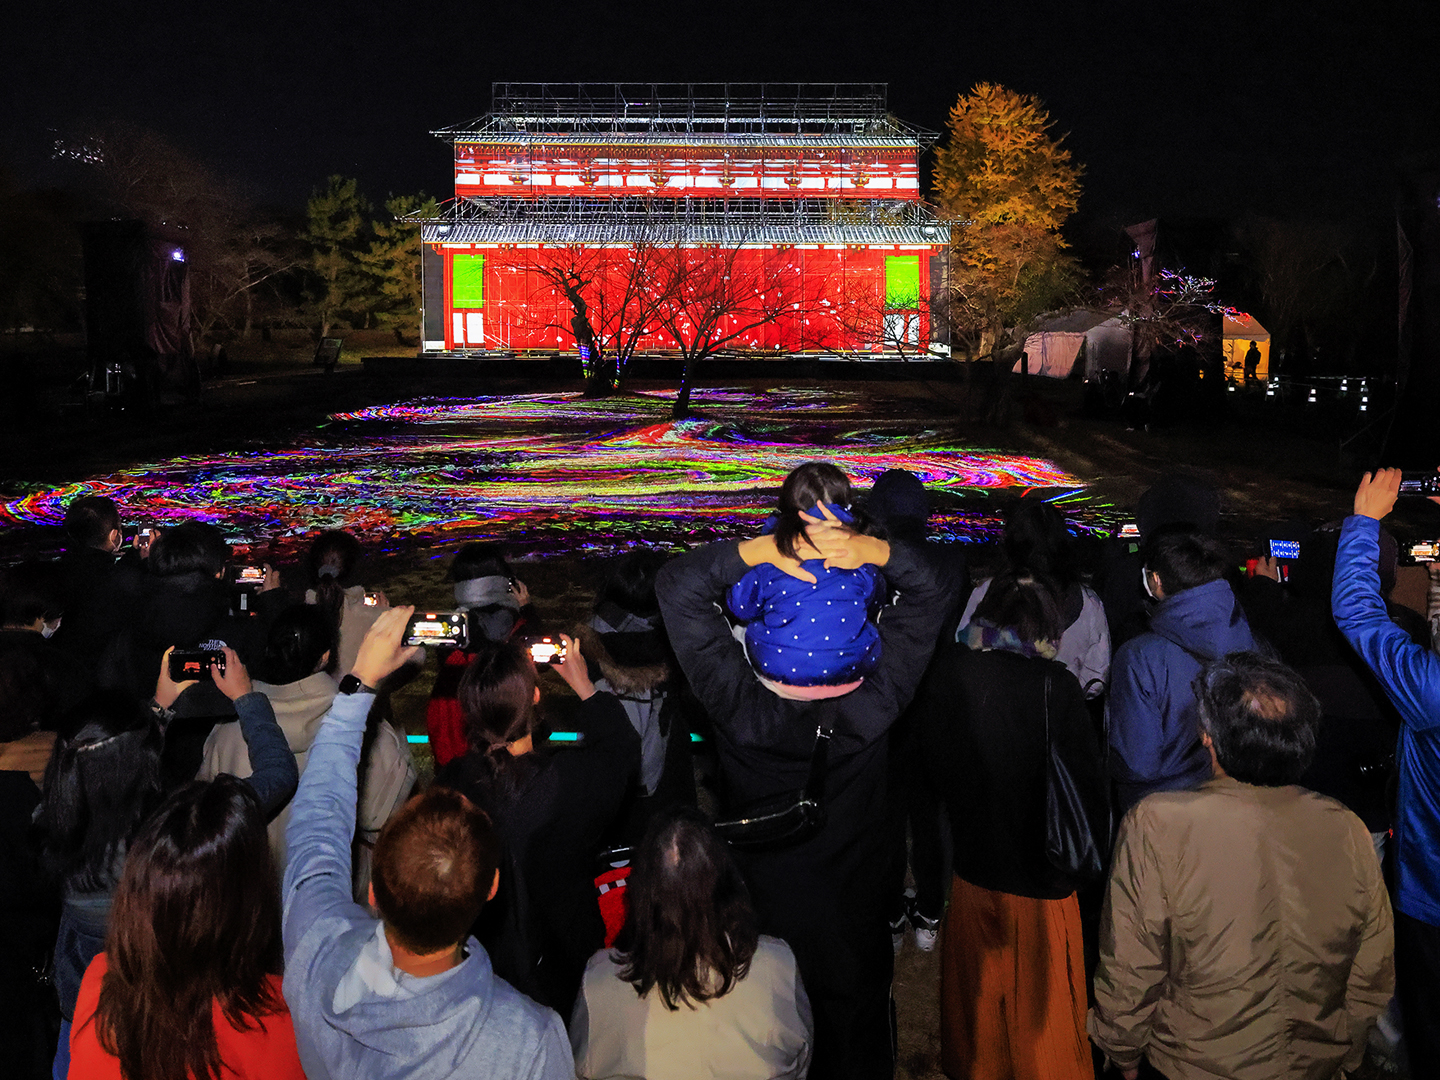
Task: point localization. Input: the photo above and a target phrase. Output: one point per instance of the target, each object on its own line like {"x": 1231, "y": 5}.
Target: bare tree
{"x": 712, "y": 298}
{"x": 613, "y": 299}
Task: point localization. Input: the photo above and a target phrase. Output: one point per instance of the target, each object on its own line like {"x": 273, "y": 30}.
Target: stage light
{"x": 177, "y": 255}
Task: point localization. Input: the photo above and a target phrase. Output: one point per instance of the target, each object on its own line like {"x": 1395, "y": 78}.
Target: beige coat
{"x": 1247, "y": 934}
{"x": 761, "y": 1029}
{"x": 386, "y": 781}
{"x": 355, "y": 622}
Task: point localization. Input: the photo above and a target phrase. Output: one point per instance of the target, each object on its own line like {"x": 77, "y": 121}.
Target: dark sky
{"x": 1174, "y": 106}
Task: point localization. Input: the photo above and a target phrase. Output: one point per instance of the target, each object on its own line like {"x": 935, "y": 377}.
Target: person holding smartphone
{"x": 551, "y": 807}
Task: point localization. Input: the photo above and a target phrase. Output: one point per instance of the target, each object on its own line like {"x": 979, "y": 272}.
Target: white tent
{"x": 1053, "y": 349}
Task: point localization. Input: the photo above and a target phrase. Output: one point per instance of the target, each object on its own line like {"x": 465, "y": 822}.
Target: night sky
{"x": 1174, "y": 107}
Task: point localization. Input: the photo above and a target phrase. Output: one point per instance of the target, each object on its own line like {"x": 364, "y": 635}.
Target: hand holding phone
{"x": 572, "y": 668}
{"x": 437, "y": 628}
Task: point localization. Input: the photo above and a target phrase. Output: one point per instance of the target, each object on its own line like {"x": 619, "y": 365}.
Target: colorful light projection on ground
{"x": 554, "y": 473}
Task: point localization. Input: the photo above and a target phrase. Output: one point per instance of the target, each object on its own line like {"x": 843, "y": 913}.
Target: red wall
{"x": 840, "y": 293}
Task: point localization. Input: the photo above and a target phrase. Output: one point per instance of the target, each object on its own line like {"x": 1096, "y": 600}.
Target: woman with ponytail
{"x": 552, "y": 804}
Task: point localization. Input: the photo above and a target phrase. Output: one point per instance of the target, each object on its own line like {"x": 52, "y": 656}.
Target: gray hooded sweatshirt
{"x": 355, "y": 1014}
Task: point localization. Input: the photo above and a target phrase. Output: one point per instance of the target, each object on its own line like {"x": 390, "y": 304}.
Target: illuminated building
{"x": 809, "y": 191}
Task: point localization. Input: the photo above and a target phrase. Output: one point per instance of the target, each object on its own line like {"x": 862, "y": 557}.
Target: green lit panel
{"x": 902, "y": 281}
{"x": 467, "y": 281}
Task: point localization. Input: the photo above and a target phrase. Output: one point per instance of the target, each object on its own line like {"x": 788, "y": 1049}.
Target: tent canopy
{"x": 1053, "y": 349}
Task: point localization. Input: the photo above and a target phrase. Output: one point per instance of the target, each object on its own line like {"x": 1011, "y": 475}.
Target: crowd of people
{"x": 1161, "y": 816}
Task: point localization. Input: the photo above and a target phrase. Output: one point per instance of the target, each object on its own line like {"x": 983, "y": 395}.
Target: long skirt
{"x": 1012, "y": 988}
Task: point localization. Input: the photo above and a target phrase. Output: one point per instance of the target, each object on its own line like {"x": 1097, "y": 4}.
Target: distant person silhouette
{"x": 1252, "y": 361}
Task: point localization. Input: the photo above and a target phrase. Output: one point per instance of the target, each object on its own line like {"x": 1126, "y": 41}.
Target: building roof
{"x": 687, "y": 221}
{"x": 1237, "y": 324}
{"x": 593, "y": 234}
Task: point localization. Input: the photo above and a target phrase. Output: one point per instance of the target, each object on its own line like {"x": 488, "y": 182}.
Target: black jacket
{"x": 982, "y": 718}
{"x": 99, "y": 594}
{"x": 826, "y": 896}
{"x": 551, "y": 822}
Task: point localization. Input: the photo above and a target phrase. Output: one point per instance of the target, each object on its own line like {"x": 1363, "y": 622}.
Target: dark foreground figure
{"x": 825, "y": 896}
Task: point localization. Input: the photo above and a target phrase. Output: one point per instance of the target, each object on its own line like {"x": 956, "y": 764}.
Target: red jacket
{"x": 264, "y": 1052}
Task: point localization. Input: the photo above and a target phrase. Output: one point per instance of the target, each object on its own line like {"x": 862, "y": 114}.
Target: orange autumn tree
{"x": 1009, "y": 186}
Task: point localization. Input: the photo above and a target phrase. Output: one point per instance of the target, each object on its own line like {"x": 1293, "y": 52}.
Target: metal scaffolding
{"x": 698, "y": 110}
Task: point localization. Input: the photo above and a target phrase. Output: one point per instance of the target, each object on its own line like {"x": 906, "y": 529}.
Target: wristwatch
{"x": 351, "y": 684}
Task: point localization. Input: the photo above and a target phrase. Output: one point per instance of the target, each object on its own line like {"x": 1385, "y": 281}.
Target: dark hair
{"x": 99, "y": 786}
{"x": 1177, "y": 499}
{"x": 497, "y": 700}
{"x": 629, "y": 582}
{"x": 483, "y": 558}
{"x": 1025, "y": 603}
{"x": 1261, "y": 718}
{"x": 899, "y": 503}
{"x": 434, "y": 864}
{"x": 190, "y": 547}
{"x": 811, "y": 483}
{"x": 1038, "y": 539}
{"x": 298, "y": 638}
{"x": 690, "y": 929}
{"x": 1184, "y": 557}
{"x": 28, "y": 592}
{"x": 336, "y": 552}
{"x": 195, "y": 922}
{"x": 90, "y": 519}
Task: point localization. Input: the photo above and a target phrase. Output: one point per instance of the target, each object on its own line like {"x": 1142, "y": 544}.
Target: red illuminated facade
{"x": 808, "y": 193}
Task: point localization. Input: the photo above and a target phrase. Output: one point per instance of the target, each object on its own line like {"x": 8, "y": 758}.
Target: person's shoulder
{"x": 514, "y": 1016}
{"x": 773, "y": 952}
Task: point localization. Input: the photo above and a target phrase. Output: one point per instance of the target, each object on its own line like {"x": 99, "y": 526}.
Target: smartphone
{"x": 566, "y": 738}
{"x": 438, "y": 628}
{"x": 1419, "y": 483}
{"x": 246, "y": 576}
{"x": 1426, "y": 551}
{"x": 1285, "y": 549}
{"x": 372, "y": 599}
{"x": 1130, "y": 530}
{"x": 187, "y": 665}
{"x": 546, "y": 650}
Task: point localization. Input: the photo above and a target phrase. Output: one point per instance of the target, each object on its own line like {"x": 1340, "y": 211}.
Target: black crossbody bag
{"x": 784, "y": 820}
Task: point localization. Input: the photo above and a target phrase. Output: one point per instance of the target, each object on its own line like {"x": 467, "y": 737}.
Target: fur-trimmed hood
{"x": 644, "y": 668}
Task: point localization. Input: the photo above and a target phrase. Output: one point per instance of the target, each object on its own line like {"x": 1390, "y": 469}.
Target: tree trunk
{"x": 682, "y": 399}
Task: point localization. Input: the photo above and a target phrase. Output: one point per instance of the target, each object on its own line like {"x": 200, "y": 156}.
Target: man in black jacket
{"x": 824, "y": 896}
{"x": 98, "y": 588}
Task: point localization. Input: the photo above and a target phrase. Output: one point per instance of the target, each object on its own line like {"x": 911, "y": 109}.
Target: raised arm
{"x": 1409, "y": 673}
{"x": 909, "y": 632}
{"x": 322, "y": 821}
{"x": 689, "y": 588}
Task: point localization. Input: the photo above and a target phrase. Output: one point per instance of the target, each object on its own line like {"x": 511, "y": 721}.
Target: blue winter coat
{"x": 1154, "y": 726}
{"x": 809, "y": 635}
{"x": 1411, "y": 677}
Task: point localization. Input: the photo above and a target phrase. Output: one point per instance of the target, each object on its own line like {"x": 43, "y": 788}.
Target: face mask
{"x": 48, "y": 630}
{"x": 1145, "y": 583}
